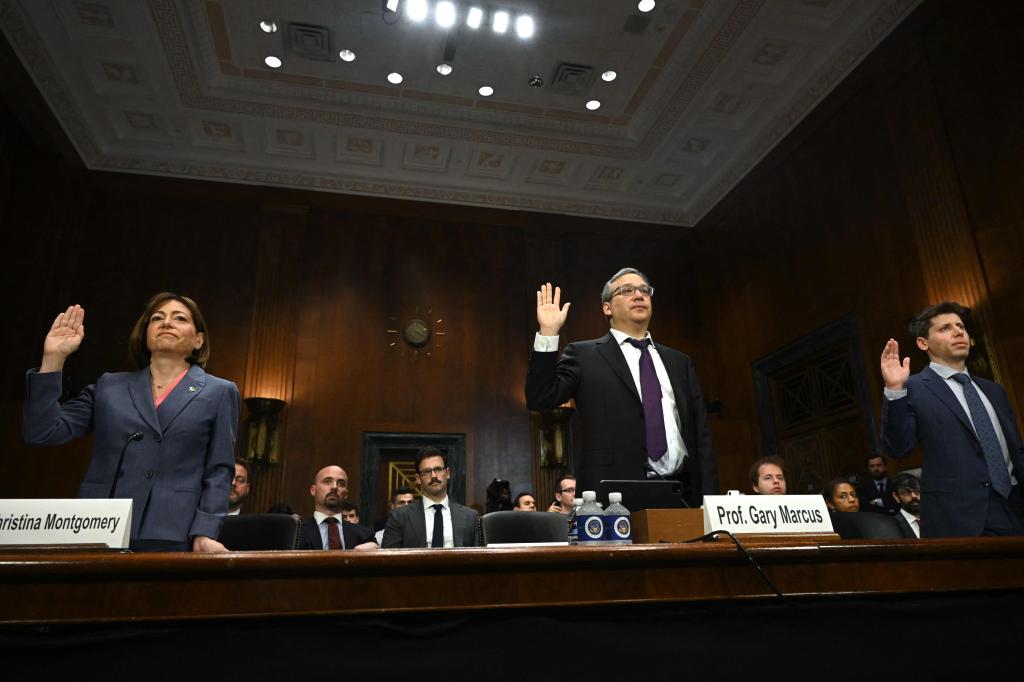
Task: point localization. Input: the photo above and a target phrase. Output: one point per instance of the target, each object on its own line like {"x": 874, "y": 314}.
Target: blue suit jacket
{"x": 954, "y": 477}
{"x": 178, "y": 476}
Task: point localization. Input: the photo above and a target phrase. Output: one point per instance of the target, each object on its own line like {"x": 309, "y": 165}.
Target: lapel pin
{"x": 192, "y": 389}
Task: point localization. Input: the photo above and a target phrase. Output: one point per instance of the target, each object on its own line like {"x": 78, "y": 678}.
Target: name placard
{"x": 66, "y": 522}
{"x": 766, "y": 514}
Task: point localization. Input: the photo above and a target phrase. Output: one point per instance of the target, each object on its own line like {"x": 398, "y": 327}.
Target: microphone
{"x": 128, "y": 438}
{"x": 652, "y": 470}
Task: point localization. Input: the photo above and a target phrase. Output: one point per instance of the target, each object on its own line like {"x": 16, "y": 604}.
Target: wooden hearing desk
{"x": 100, "y": 587}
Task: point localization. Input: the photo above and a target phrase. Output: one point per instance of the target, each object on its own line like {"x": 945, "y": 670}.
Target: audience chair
{"x": 516, "y": 526}
{"x": 865, "y": 526}
{"x": 255, "y": 532}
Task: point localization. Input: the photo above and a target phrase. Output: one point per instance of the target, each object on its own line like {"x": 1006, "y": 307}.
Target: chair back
{"x": 865, "y": 526}
{"x": 518, "y": 526}
{"x": 256, "y": 532}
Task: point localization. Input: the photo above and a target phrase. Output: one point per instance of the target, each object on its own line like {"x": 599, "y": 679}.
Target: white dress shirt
{"x": 672, "y": 461}
{"x": 320, "y": 517}
{"x": 912, "y": 520}
{"x": 446, "y": 514}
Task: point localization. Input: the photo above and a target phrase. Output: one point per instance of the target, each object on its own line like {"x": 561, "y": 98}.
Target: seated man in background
{"x": 239, "y": 488}
{"x": 327, "y": 529}
{"x": 349, "y": 512}
{"x": 841, "y": 496}
{"x": 438, "y": 521}
{"x": 875, "y": 494}
{"x": 907, "y": 493}
{"x": 401, "y": 497}
{"x": 525, "y": 502}
{"x": 768, "y": 476}
{"x": 565, "y": 491}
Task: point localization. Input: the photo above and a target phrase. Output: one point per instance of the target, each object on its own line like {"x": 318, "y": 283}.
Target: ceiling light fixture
{"x": 475, "y": 17}
{"x": 524, "y": 26}
{"x": 416, "y": 10}
{"x": 394, "y": 78}
{"x": 444, "y": 14}
{"x": 444, "y": 69}
{"x": 593, "y": 105}
{"x": 500, "y": 22}
{"x": 486, "y": 91}
{"x": 645, "y": 5}
{"x": 391, "y": 5}
{"x": 268, "y": 26}
{"x": 347, "y": 55}
{"x": 608, "y": 76}
{"x": 272, "y": 61}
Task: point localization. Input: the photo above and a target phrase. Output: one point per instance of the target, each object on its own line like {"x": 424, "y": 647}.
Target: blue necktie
{"x": 650, "y": 394}
{"x": 986, "y": 433}
{"x": 437, "y": 539}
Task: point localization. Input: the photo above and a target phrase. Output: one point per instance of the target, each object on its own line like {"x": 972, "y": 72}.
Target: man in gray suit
{"x": 437, "y": 521}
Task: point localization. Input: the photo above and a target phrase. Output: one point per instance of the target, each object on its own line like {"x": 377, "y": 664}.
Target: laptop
{"x": 643, "y": 494}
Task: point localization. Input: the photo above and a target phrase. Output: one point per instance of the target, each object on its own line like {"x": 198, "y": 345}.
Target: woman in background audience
{"x": 841, "y": 496}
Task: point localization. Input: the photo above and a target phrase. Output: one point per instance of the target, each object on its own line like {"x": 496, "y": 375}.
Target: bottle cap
{"x": 589, "y": 496}
{"x": 615, "y": 498}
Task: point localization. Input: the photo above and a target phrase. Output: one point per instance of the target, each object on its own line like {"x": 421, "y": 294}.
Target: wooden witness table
{"x": 104, "y": 587}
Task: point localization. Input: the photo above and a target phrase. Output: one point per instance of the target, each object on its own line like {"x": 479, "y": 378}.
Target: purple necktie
{"x": 650, "y": 394}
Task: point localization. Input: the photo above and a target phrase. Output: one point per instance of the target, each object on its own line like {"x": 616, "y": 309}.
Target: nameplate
{"x": 66, "y": 522}
{"x": 766, "y": 514}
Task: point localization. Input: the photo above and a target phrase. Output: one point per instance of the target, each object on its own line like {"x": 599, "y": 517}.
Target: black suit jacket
{"x": 867, "y": 491}
{"x": 614, "y": 445}
{"x": 905, "y": 528}
{"x": 954, "y": 476}
{"x": 352, "y": 533}
{"x": 407, "y": 526}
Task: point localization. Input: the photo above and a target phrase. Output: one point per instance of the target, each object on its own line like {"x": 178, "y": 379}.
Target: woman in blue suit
{"x": 170, "y": 424}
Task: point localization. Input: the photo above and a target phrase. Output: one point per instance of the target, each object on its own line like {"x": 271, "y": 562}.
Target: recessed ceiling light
{"x": 347, "y": 55}
{"x": 475, "y": 17}
{"x": 272, "y": 61}
{"x": 500, "y": 22}
{"x": 394, "y": 78}
{"x": 268, "y": 27}
{"x": 444, "y": 14}
{"x": 608, "y": 76}
{"x": 486, "y": 91}
{"x": 593, "y": 105}
{"x": 444, "y": 69}
{"x": 416, "y": 10}
{"x": 645, "y": 5}
{"x": 391, "y": 5}
{"x": 524, "y": 26}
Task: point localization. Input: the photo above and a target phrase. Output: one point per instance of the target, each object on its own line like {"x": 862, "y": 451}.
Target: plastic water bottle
{"x": 590, "y": 521}
{"x": 618, "y": 525}
{"x": 574, "y": 529}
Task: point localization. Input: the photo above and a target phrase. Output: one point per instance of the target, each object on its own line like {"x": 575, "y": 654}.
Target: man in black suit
{"x": 907, "y": 494}
{"x": 436, "y": 521}
{"x": 641, "y": 407}
{"x": 876, "y": 493}
{"x": 326, "y": 529}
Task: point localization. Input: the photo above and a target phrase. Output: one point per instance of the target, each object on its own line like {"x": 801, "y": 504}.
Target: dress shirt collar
{"x": 621, "y": 337}
{"x": 428, "y": 504}
{"x": 946, "y": 372}
{"x": 912, "y": 520}
{"x": 320, "y": 516}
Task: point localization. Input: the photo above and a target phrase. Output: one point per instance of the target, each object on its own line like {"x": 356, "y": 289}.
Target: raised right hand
{"x": 63, "y": 339}
{"x": 894, "y": 372}
{"x": 549, "y": 316}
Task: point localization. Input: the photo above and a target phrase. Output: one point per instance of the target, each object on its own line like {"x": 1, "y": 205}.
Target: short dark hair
{"x": 563, "y": 477}
{"x": 606, "y": 292}
{"x": 404, "y": 490}
{"x": 346, "y": 505}
{"x": 138, "y": 351}
{"x": 830, "y": 489}
{"x": 522, "y": 495}
{"x": 908, "y": 481}
{"x": 755, "y": 468}
{"x": 245, "y": 465}
{"x": 429, "y": 451}
{"x": 922, "y": 321}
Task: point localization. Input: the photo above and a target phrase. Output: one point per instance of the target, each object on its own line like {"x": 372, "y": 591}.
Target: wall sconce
{"x": 262, "y": 448}
{"x": 553, "y": 435}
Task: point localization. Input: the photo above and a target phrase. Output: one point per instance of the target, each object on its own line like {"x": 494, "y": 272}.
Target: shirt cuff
{"x": 891, "y": 394}
{"x": 545, "y": 344}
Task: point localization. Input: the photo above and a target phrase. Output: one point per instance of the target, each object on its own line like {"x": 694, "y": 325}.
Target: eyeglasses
{"x": 436, "y": 471}
{"x": 567, "y": 490}
{"x": 630, "y": 289}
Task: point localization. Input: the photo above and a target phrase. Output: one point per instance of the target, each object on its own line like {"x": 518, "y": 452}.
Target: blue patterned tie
{"x": 987, "y": 436}
{"x": 650, "y": 394}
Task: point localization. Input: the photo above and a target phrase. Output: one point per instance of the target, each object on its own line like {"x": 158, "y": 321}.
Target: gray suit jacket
{"x": 407, "y": 526}
{"x": 178, "y": 476}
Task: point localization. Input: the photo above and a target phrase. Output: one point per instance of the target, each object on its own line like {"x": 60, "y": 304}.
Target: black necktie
{"x": 437, "y": 539}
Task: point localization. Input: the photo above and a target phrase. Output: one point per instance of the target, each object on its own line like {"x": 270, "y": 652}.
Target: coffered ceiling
{"x": 703, "y": 90}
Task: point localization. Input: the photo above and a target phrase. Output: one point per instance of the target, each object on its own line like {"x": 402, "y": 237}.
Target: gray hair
{"x": 606, "y": 293}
